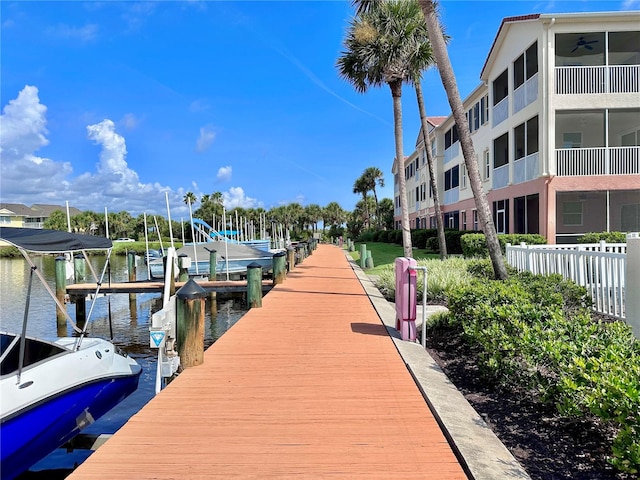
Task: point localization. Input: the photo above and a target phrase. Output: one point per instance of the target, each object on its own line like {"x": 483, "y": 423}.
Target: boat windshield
{"x": 34, "y": 352}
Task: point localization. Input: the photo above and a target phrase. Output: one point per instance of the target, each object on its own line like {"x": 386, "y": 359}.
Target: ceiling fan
{"x": 584, "y": 43}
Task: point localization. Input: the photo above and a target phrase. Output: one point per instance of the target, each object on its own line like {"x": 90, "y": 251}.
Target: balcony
{"x": 452, "y": 152}
{"x": 597, "y": 79}
{"x": 525, "y": 169}
{"x": 500, "y": 111}
{"x": 451, "y": 196}
{"x": 598, "y": 161}
{"x": 525, "y": 94}
{"x": 500, "y": 177}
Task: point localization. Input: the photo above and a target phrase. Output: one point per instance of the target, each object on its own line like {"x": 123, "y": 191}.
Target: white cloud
{"x": 129, "y": 121}
{"x": 28, "y": 178}
{"x": 206, "y": 138}
{"x": 199, "y": 105}
{"x": 22, "y": 133}
{"x": 224, "y": 174}
{"x": 85, "y": 33}
{"x": 235, "y": 197}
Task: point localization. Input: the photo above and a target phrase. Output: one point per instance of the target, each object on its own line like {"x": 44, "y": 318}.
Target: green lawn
{"x": 385, "y": 254}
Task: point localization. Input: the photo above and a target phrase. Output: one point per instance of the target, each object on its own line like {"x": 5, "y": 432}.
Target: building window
{"x": 484, "y": 109}
{"x": 500, "y": 87}
{"x": 501, "y": 216}
{"x": 423, "y": 192}
{"x": 501, "y": 151}
{"x": 475, "y": 220}
{"x": 464, "y": 219}
{"x": 450, "y": 137}
{"x": 487, "y": 165}
{"x": 463, "y": 176}
{"x": 572, "y": 214}
{"x": 630, "y": 217}
{"x": 5, "y": 220}
{"x": 526, "y": 214}
{"x": 452, "y": 220}
{"x": 452, "y": 178}
{"x": 525, "y": 66}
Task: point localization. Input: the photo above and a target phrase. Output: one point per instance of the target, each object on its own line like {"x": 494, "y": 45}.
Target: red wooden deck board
{"x": 308, "y": 386}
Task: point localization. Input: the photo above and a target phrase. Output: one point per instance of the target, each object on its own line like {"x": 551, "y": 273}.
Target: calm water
{"x": 130, "y": 322}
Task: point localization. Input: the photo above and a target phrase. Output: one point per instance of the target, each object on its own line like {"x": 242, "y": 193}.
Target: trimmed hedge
{"x": 475, "y": 244}
{"x": 609, "y": 237}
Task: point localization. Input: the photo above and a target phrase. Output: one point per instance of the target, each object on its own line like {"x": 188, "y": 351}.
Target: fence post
{"x": 632, "y": 283}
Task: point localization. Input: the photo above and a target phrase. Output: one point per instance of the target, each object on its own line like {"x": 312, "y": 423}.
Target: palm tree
{"x": 449, "y": 82}
{"x": 442, "y": 241}
{"x": 189, "y": 197}
{"x": 333, "y": 215}
{"x": 360, "y": 187}
{"x": 384, "y": 45}
{"x": 373, "y": 176}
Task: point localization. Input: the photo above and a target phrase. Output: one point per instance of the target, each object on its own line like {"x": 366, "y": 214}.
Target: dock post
{"x": 291, "y": 258}
{"x": 279, "y": 268}
{"x": 79, "y": 268}
{"x": 213, "y": 305}
{"x": 131, "y": 265}
{"x": 183, "y": 272}
{"x": 212, "y": 265}
{"x": 363, "y": 255}
{"x": 254, "y": 285}
{"x": 61, "y": 287}
{"x": 190, "y": 323}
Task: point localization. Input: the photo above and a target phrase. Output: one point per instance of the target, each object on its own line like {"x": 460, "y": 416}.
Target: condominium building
{"x": 555, "y": 124}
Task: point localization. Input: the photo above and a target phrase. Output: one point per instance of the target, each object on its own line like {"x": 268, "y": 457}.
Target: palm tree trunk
{"x": 442, "y": 242}
{"x": 396, "y": 93}
{"x": 449, "y": 82}
{"x": 375, "y": 197}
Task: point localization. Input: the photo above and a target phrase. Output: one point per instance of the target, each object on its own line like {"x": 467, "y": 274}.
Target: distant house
{"x": 555, "y": 125}
{"x": 19, "y": 215}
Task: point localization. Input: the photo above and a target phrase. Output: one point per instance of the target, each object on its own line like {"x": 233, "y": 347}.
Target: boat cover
{"x": 52, "y": 241}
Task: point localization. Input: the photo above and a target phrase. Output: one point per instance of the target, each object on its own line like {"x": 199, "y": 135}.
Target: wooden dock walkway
{"x": 308, "y": 386}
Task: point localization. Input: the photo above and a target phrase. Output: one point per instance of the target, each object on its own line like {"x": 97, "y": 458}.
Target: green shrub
{"x": 383, "y": 236}
{"x": 609, "y": 237}
{"x": 475, "y": 244}
{"x": 535, "y": 334}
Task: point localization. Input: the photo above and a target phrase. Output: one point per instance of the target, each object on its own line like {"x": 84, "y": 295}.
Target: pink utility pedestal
{"x": 406, "y": 297}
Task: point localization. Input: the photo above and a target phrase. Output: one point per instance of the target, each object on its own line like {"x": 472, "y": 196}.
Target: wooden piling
{"x": 291, "y": 258}
{"x": 79, "y": 268}
{"x": 212, "y": 265}
{"x": 61, "y": 289}
{"x": 279, "y": 268}
{"x": 131, "y": 265}
{"x": 254, "y": 285}
{"x": 190, "y": 324}
{"x": 183, "y": 271}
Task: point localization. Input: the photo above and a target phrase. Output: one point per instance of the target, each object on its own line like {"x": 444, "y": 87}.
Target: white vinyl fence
{"x": 599, "y": 267}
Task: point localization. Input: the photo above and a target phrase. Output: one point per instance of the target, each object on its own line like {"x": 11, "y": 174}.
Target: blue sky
{"x": 112, "y": 104}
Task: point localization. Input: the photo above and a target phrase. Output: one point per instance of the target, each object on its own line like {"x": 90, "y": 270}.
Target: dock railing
{"x": 599, "y": 267}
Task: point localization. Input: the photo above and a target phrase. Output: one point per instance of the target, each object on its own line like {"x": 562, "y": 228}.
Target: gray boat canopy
{"x": 52, "y": 241}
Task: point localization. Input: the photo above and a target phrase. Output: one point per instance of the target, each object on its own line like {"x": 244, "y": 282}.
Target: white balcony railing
{"x": 598, "y": 161}
{"x": 500, "y": 177}
{"x": 526, "y": 168}
{"x": 525, "y": 94}
{"x": 598, "y": 79}
{"x": 500, "y": 111}
{"x": 452, "y": 152}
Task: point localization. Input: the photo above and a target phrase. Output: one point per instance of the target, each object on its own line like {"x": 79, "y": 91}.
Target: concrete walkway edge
{"x": 480, "y": 452}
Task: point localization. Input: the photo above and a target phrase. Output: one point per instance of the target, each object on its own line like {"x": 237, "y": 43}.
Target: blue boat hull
{"x": 31, "y": 435}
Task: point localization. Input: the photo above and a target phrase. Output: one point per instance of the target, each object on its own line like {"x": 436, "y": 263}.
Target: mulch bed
{"x": 549, "y": 447}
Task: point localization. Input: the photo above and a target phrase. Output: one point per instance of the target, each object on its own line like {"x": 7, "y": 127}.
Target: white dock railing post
{"x": 632, "y": 283}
